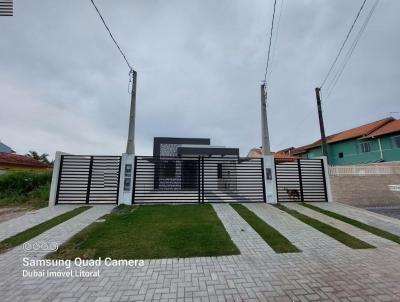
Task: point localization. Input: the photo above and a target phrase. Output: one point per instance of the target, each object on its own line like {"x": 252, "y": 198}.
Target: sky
{"x": 200, "y": 64}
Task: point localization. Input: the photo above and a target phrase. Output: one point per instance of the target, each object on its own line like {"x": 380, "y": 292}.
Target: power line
{"x": 351, "y": 49}
{"x": 270, "y": 41}
{"x": 111, "y": 35}
{"x": 343, "y": 44}
{"x": 273, "y": 51}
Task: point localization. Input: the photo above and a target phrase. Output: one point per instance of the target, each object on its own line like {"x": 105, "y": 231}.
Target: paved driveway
{"x": 391, "y": 212}
{"x": 325, "y": 270}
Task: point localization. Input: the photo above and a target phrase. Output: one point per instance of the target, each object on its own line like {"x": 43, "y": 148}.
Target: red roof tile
{"x": 360, "y": 131}
{"x": 256, "y": 152}
{"x": 393, "y": 126}
{"x": 20, "y": 160}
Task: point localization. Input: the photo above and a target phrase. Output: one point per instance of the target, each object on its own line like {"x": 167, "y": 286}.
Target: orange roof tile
{"x": 256, "y": 152}
{"x": 360, "y": 131}
{"x": 21, "y": 160}
{"x": 393, "y": 126}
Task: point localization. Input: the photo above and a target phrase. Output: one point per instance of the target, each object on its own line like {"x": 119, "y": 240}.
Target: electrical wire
{"x": 343, "y": 44}
{"x": 111, "y": 35}
{"x": 275, "y": 42}
{"x": 270, "y": 41}
{"x": 351, "y": 50}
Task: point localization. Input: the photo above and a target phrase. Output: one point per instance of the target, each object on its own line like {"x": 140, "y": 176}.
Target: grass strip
{"x": 152, "y": 232}
{"x": 335, "y": 233}
{"x": 374, "y": 230}
{"x": 271, "y": 236}
{"x": 38, "y": 229}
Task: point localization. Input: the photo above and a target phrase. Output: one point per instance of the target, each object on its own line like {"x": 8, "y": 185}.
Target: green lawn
{"x": 272, "y": 237}
{"x": 358, "y": 224}
{"x": 152, "y": 231}
{"x": 335, "y": 233}
{"x": 38, "y": 229}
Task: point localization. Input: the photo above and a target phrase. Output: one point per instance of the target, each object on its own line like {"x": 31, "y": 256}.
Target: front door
{"x": 189, "y": 178}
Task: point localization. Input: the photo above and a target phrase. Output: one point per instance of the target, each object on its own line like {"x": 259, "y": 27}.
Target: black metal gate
{"x": 198, "y": 179}
{"x": 88, "y": 179}
{"x": 300, "y": 180}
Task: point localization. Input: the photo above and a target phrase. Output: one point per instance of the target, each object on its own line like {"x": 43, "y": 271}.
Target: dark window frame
{"x": 340, "y": 155}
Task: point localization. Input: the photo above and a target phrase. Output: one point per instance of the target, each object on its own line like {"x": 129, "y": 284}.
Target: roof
{"x": 391, "y": 127}
{"x": 5, "y": 149}
{"x": 362, "y": 131}
{"x": 21, "y": 160}
{"x": 256, "y": 152}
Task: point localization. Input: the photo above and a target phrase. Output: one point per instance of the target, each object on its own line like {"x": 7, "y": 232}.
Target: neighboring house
{"x": 9, "y": 160}
{"x": 257, "y": 152}
{"x": 378, "y": 141}
{"x": 5, "y": 149}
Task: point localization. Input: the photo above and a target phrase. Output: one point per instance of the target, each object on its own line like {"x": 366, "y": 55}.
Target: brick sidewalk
{"x": 14, "y": 226}
{"x": 324, "y": 271}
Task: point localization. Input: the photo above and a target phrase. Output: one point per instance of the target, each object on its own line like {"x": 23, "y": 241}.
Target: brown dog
{"x": 293, "y": 193}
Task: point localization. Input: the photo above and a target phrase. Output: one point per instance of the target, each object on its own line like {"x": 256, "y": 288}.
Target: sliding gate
{"x": 88, "y": 179}
{"x": 300, "y": 180}
{"x": 198, "y": 179}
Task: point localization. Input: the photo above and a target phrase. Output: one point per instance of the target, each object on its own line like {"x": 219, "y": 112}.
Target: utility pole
{"x": 130, "y": 147}
{"x": 321, "y": 123}
{"x": 266, "y": 149}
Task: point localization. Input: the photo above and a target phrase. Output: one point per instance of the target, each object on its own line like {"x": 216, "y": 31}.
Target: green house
{"x": 378, "y": 141}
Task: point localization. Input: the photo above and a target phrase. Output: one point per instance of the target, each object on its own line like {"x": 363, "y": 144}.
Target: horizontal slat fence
{"x": 88, "y": 179}
{"x": 300, "y": 180}
{"x": 198, "y": 179}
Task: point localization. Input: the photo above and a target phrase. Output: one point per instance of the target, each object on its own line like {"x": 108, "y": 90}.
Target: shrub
{"x": 25, "y": 188}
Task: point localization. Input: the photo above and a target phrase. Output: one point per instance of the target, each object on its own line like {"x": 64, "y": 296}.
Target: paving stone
{"x": 323, "y": 271}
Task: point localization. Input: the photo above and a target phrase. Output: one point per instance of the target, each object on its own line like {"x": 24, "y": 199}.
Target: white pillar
{"x": 54, "y": 178}
{"x": 126, "y": 179}
{"x": 270, "y": 184}
{"x": 327, "y": 177}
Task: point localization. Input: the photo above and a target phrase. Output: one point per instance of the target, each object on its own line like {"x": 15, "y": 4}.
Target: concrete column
{"x": 270, "y": 179}
{"x": 126, "y": 179}
{"x": 327, "y": 177}
{"x": 54, "y": 178}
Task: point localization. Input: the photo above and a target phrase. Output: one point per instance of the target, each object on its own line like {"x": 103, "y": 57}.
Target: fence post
{"x": 300, "y": 180}
{"x": 55, "y": 178}
{"x": 89, "y": 179}
{"x": 127, "y": 172}
{"x": 327, "y": 178}
{"x": 270, "y": 179}
{"x": 198, "y": 179}
{"x": 202, "y": 179}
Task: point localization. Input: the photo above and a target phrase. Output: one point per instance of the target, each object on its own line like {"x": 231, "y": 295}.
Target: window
{"x": 396, "y": 141}
{"x": 219, "y": 173}
{"x": 340, "y": 154}
{"x": 364, "y": 147}
{"x": 168, "y": 169}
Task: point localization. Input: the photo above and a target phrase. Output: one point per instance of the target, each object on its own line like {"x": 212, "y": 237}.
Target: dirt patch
{"x": 10, "y": 213}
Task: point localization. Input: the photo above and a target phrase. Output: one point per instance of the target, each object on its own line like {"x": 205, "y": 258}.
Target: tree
{"x": 41, "y": 157}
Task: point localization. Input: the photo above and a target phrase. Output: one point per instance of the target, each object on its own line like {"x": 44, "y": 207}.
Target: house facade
{"x": 374, "y": 142}
{"x": 182, "y": 174}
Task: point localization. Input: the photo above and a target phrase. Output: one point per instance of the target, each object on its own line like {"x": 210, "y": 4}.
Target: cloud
{"x": 199, "y": 63}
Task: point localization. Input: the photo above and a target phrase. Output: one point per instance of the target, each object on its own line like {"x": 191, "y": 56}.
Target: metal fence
{"x": 198, "y": 179}
{"x": 88, "y": 179}
{"x": 300, "y": 180}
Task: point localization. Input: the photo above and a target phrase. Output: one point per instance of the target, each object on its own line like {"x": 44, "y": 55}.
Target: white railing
{"x": 363, "y": 170}
{"x": 394, "y": 188}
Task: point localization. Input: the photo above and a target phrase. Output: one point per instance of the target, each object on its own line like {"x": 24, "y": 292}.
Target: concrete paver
{"x": 324, "y": 271}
